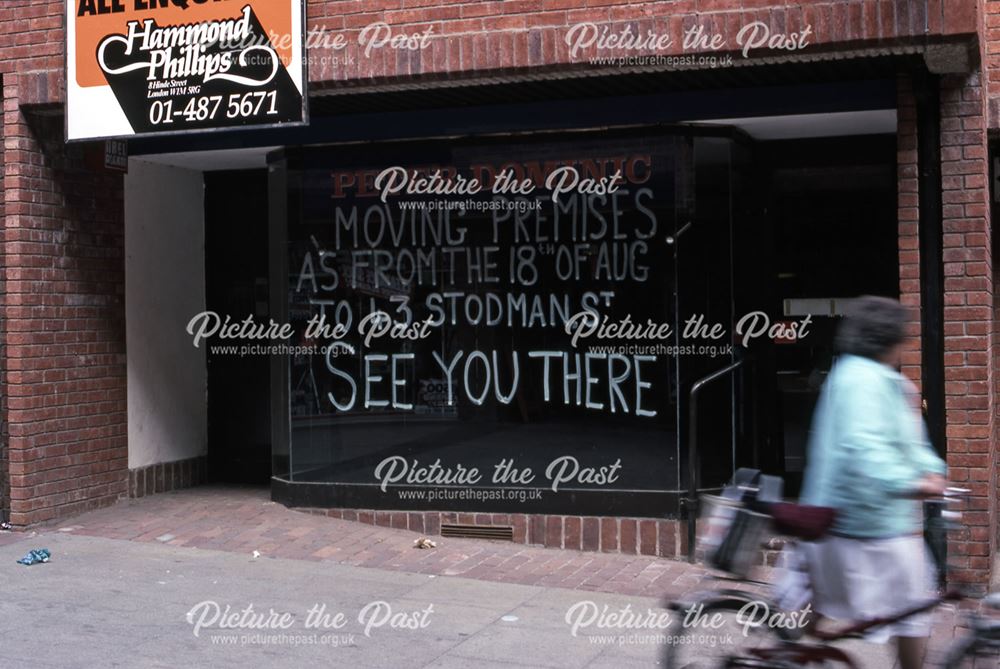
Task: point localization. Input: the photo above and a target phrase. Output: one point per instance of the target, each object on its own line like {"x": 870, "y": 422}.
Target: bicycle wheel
{"x": 968, "y": 652}
{"x": 720, "y": 630}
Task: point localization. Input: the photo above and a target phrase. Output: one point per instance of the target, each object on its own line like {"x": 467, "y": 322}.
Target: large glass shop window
{"x": 486, "y": 320}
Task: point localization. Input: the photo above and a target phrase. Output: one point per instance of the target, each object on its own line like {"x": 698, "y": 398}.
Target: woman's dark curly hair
{"x": 872, "y": 326}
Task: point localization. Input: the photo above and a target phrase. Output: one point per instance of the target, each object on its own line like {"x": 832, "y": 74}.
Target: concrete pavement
{"x": 111, "y": 603}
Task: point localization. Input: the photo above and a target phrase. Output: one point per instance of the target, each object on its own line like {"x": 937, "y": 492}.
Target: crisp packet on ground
{"x": 33, "y": 557}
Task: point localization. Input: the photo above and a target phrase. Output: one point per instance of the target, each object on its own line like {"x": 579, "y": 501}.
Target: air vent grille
{"x": 494, "y": 532}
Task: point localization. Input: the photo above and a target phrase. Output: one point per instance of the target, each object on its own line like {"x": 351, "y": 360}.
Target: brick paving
{"x": 243, "y": 520}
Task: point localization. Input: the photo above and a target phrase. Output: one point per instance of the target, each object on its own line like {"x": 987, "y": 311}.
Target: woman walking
{"x": 869, "y": 458}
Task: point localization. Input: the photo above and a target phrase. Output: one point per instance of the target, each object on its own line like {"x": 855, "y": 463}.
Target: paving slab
{"x": 114, "y": 603}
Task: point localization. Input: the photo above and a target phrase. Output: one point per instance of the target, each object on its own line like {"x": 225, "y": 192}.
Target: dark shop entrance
{"x": 763, "y": 222}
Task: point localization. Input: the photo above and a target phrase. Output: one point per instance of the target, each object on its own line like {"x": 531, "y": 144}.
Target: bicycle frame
{"x": 789, "y": 652}
{"x": 800, "y": 653}
{"x": 986, "y": 631}
{"x": 858, "y": 629}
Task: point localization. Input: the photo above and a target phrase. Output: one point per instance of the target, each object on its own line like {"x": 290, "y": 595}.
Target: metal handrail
{"x": 691, "y": 501}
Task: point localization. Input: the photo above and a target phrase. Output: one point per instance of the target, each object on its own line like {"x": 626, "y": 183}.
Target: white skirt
{"x": 860, "y": 579}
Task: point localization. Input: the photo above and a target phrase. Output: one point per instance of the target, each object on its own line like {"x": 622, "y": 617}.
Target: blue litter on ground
{"x": 33, "y": 557}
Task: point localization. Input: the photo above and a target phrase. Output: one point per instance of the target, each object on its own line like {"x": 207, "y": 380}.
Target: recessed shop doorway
{"x": 236, "y": 262}
{"x": 820, "y": 230}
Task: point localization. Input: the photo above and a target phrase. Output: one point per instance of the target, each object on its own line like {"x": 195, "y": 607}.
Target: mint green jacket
{"x": 867, "y": 450}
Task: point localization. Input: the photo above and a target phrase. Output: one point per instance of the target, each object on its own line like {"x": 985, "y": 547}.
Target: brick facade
{"x": 991, "y": 59}
{"x": 970, "y": 324}
{"x": 64, "y": 312}
{"x": 969, "y": 356}
{"x": 631, "y": 536}
{"x": 62, "y": 364}
{"x": 515, "y": 34}
{"x": 990, "y": 55}
{"x": 167, "y": 476}
{"x": 4, "y": 459}
{"x": 908, "y": 214}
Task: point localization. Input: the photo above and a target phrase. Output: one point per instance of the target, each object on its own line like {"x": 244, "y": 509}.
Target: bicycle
{"x": 739, "y": 628}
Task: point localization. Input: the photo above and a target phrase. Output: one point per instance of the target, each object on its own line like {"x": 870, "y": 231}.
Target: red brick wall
{"x": 63, "y": 335}
{"x": 908, "y": 214}
{"x": 4, "y": 469}
{"x": 64, "y": 313}
{"x": 969, "y": 304}
{"x": 37, "y": 262}
{"x": 991, "y": 58}
{"x": 633, "y": 536}
{"x": 513, "y": 34}
{"x": 490, "y": 35}
{"x": 969, "y": 355}
{"x": 167, "y": 476}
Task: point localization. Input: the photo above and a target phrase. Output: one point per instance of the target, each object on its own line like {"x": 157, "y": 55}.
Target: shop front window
{"x": 484, "y": 324}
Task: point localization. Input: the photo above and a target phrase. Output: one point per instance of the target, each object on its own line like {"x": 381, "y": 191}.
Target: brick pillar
{"x": 908, "y": 214}
{"x": 4, "y": 467}
{"x": 968, "y": 315}
{"x": 64, "y": 315}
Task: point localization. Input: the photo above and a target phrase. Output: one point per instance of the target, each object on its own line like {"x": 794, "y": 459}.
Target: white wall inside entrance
{"x": 164, "y": 289}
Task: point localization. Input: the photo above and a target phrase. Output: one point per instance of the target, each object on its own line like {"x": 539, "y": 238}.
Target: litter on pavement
{"x": 33, "y": 557}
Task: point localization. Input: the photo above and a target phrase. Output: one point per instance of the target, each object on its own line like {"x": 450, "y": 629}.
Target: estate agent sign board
{"x": 143, "y": 67}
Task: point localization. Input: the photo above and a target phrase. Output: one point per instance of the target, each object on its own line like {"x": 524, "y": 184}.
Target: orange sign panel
{"x": 138, "y": 67}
